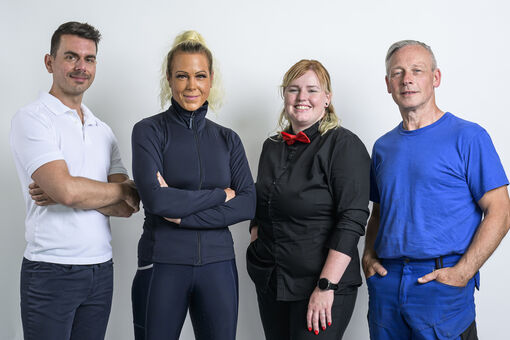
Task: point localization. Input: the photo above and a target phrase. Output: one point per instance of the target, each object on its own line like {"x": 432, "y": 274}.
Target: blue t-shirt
{"x": 428, "y": 182}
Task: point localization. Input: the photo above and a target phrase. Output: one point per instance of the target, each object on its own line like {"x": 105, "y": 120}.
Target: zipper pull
{"x": 191, "y": 120}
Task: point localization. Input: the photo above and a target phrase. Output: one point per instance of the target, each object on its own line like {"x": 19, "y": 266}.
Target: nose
{"x": 302, "y": 96}
{"x": 407, "y": 79}
{"x": 80, "y": 64}
{"x": 192, "y": 83}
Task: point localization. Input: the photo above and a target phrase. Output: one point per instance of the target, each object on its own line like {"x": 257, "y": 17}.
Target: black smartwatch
{"x": 325, "y": 284}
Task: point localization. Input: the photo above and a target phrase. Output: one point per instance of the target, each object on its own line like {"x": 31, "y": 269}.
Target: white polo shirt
{"x": 47, "y": 130}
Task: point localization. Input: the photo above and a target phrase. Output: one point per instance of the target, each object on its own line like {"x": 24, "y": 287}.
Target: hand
{"x": 372, "y": 265}
{"x": 319, "y": 309}
{"x": 162, "y": 184}
{"x": 39, "y": 196}
{"x": 450, "y": 276}
{"x": 254, "y": 233}
{"x": 131, "y": 195}
{"x": 230, "y": 194}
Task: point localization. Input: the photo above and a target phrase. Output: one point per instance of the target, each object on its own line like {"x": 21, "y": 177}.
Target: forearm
{"x": 491, "y": 231}
{"x": 121, "y": 209}
{"x": 371, "y": 232}
{"x": 335, "y": 265}
{"x": 238, "y": 209}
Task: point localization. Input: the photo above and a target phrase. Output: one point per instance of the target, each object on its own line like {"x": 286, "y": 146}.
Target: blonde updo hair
{"x": 330, "y": 119}
{"x": 191, "y": 42}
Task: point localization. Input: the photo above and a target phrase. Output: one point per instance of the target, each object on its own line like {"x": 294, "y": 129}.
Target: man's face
{"x": 411, "y": 80}
{"x": 73, "y": 66}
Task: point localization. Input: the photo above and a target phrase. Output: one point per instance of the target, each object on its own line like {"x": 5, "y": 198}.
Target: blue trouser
{"x": 62, "y": 302}
{"x": 210, "y": 292}
{"x": 402, "y": 308}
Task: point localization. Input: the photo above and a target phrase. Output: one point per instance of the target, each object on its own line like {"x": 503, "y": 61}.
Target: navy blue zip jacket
{"x": 198, "y": 159}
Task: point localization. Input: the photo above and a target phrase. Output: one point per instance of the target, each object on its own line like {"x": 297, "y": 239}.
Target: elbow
{"x": 67, "y": 196}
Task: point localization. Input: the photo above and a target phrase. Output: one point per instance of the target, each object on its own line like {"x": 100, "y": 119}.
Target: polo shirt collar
{"x": 54, "y": 104}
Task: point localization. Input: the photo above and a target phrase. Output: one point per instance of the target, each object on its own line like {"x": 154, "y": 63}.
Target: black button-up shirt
{"x": 310, "y": 198}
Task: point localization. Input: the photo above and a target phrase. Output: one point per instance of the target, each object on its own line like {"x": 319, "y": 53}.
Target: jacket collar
{"x": 192, "y": 119}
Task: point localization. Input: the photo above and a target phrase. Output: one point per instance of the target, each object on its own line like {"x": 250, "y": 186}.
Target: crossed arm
{"x": 54, "y": 185}
{"x": 495, "y": 205}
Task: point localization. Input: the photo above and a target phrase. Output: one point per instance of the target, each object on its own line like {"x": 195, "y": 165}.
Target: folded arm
{"x": 241, "y": 207}
{"x": 147, "y": 148}
{"x": 54, "y": 180}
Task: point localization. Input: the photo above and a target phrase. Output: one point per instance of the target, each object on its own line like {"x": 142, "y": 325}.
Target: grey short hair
{"x": 402, "y": 43}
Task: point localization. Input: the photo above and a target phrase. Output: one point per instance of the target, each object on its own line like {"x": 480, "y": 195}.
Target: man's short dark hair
{"x": 83, "y": 30}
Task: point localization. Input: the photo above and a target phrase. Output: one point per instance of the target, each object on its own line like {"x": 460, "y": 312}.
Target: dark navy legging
{"x": 163, "y": 294}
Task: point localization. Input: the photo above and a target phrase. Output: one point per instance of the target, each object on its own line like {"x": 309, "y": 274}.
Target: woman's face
{"x": 190, "y": 80}
{"x": 305, "y": 101}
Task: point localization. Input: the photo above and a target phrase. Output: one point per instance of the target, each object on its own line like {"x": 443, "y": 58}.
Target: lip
{"x": 191, "y": 97}
{"x": 80, "y": 78}
{"x": 408, "y": 93}
{"x": 301, "y": 107}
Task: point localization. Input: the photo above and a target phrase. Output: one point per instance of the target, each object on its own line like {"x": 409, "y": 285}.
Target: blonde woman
{"x": 312, "y": 206}
{"x": 194, "y": 181}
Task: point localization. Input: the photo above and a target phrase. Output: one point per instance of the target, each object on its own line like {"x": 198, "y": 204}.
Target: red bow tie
{"x": 291, "y": 139}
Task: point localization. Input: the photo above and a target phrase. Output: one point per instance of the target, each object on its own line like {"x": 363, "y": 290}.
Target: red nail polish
{"x": 329, "y": 323}
{"x": 316, "y": 332}
{"x": 323, "y": 328}
{"x": 309, "y": 329}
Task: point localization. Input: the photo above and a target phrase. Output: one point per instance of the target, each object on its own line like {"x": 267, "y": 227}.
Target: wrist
{"x": 324, "y": 284}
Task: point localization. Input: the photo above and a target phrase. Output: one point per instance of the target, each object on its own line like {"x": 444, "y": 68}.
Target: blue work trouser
{"x": 62, "y": 302}
{"x": 209, "y": 291}
{"x": 400, "y": 308}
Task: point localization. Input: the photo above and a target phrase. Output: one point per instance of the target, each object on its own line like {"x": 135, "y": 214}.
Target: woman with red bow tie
{"x": 312, "y": 207}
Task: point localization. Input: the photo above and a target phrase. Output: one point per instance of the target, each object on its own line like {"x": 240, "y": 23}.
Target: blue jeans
{"x": 62, "y": 302}
{"x": 402, "y": 308}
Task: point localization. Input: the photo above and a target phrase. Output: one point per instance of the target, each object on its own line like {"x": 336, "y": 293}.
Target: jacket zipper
{"x": 195, "y": 134}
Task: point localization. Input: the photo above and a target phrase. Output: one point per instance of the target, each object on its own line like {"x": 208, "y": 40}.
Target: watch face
{"x": 323, "y": 284}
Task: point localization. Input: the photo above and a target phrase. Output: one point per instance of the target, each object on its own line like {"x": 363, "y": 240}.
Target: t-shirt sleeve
{"x": 484, "y": 170}
{"x": 33, "y": 140}
{"x": 116, "y": 165}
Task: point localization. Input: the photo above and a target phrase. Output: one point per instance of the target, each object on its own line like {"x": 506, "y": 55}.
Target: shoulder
{"x": 464, "y": 128}
{"x": 154, "y": 122}
{"x": 388, "y": 137}
{"x": 345, "y": 137}
{"x": 221, "y": 131}
{"x": 33, "y": 113}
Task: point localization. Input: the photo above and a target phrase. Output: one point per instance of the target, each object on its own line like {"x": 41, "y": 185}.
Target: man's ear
{"x": 48, "y": 62}
{"x": 387, "y": 84}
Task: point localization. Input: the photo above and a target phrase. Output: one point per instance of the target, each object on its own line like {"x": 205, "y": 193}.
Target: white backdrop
{"x": 255, "y": 43}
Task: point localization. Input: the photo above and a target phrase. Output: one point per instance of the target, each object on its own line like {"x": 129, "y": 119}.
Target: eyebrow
{"x": 307, "y": 86}
{"x": 77, "y": 55}
{"x": 185, "y": 72}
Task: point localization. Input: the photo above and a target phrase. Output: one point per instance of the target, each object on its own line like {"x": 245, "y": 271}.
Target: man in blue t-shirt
{"x": 433, "y": 177}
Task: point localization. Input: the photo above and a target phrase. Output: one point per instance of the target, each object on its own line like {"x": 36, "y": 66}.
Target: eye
{"x": 90, "y": 60}
{"x": 292, "y": 90}
{"x": 181, "y": 76}
{"x": 70, "y": 57}
{"x": 202, "y": 76}
{"x": 417, "y": 70}
{"x": 396, "y": 73}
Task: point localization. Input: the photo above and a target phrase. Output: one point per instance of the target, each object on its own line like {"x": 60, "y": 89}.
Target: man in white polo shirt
{"x": 71, "y": 162}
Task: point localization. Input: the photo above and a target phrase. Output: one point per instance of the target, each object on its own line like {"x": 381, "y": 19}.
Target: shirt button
{"x": 274, "y": 182}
